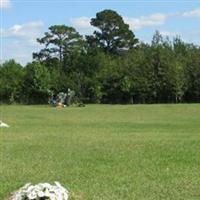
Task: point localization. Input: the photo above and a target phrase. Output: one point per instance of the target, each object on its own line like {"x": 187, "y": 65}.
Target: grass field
{"x": 104, "y": 152}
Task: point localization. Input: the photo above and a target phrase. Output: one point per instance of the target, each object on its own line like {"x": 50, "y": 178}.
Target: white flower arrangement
{"x": 42, "y": 191}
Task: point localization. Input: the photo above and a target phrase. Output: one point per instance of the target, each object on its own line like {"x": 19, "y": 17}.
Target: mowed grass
{"x": 104, "y": 152}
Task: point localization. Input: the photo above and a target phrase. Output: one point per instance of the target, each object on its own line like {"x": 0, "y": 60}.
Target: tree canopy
{"x": 59, "y": 42}
{"x": 163, "y": 71}
{"x": 113, "y": 35}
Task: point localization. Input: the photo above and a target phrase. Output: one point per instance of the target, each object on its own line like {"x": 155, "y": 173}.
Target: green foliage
{"x": 193, "y": 75}
{"x": 11, "y": 77}
{"x": 106, "y": 67}
{"x": 36, "y": 84}
{"x": 113, "y": 34}
{"x": 59, "y": 42}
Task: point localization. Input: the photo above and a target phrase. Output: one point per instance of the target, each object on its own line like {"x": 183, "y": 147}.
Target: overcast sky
{"x": 22, "y": 21}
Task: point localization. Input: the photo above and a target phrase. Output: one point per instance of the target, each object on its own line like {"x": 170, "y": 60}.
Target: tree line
{"x": 109, "y": 66}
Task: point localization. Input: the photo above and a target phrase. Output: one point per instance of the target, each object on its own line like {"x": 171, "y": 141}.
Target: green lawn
{"x": 104, "y": 152}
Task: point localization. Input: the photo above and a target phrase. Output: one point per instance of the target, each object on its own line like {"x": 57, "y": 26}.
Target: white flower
{"x": 40, "y": 194}
{"x": 32, "y": 195}
{"x": 41, "y": 191}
